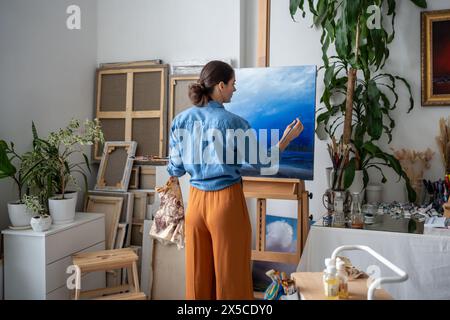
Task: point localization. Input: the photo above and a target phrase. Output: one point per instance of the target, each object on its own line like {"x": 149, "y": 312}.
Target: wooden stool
{"x": 109, "y": 260}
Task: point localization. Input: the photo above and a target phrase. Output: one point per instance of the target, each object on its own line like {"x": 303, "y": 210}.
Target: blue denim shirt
{"x": 205, "y": 176}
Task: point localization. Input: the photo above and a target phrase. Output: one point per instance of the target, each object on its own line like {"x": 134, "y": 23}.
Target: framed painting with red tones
{"x": 436, "y": 58}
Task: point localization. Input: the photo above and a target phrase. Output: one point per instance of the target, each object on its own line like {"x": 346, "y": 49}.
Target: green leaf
{"x": 7, "y": 169}
{"x": 352, "y": 12}
{"x": 312, "y": 8}
{"x": 33, "y": 128}
{"x": 329, "y": 73}
{"x": 383, "y": 179}
{"x": 86, "y": 160}
{"x": 374, "y": 114}
{"x": 408, "y": 86}
{"x": 341, "y": 43}
{"x": 420, "y": 3}
{"x": 365, "y": 177}
{"x": 349, "y": 173}
{"x": 293, "y": 6}
{"x": 391, "y": 6}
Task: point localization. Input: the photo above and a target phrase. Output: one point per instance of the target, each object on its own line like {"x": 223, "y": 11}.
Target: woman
{"x": 218, "y": 230}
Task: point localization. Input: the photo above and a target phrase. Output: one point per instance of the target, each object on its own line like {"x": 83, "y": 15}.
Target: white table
{"x": 425, "y": 257}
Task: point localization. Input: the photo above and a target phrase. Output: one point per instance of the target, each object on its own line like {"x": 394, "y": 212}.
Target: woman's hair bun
{"x": 212, "y": 74}
{"x": 197, "y": 94}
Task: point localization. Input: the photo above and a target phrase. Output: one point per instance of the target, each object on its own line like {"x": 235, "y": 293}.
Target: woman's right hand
{"x": 292, "y": 131}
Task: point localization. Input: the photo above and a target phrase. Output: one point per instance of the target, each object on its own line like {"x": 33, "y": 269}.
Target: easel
{"x": 284, "y": 189}
{"x": 274, "y": 188}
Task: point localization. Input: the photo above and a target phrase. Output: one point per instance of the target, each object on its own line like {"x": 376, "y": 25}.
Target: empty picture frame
{"x": 134, "y": 178}
{"x": 111, "y": 207}
{"x": 140, "y": 205}
{"x": 179, "y": 94}
{"x": 120, "y": 238}
{"x": 137, "y": 230}
{"x": 132, "y": 104}
{"x": 126, "y": 215}
{"x": 147, "y": 177}
{"x": 115, "y": 168}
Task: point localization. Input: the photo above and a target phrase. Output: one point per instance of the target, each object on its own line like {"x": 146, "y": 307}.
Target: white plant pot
{"x": 41, "y": 223}
{"x": 62, "y": 210}
{"x": 374, "y": 193}
{"x": 19, "y": 215}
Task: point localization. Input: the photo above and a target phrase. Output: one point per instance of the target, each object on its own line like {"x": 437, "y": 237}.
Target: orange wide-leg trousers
{"x": 218, "y": 245}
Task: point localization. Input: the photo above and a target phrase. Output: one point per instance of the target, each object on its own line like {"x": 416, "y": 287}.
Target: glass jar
{"x": 356, "y": 214}
{"x": 339, "y": 215}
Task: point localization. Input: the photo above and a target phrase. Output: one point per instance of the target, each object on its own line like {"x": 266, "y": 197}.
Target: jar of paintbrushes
{"x": 339, "y": 154}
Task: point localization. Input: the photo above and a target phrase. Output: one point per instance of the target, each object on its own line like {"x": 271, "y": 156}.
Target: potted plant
{"x": 57, "y": 171}
{"x": 41, "y": 221}
{"x": 359, "y": 96}
{"x": 19, "y": 214}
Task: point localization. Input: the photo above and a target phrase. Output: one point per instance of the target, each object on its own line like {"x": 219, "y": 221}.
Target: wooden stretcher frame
{"x": 111, "y": 146}
{"x": 147, "y": 173}
{"x": 140, "y": 205}
{"x": 127, "y": 209}
{"x": 113, "y": 216}
{"x": 173, "y": 84}
{"x": 120, "y": 238}
{"x": 128, "y": 115}
{"x": 134, "y": 178}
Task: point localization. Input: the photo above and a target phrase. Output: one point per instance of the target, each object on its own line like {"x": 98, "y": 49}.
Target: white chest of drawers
{"x": 35, "y": 263}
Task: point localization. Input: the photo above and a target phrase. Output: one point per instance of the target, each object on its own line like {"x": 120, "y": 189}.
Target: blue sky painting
{"x": 271, "y": 98}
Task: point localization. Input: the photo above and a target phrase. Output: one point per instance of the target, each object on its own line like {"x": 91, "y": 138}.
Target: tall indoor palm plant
{"x": 359, "y": 95}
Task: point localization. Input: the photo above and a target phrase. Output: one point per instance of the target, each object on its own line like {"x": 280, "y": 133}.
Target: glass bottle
{"x": 339, "y": 215}
{"x": 356, "y": 215}
{"x": 343, "y": 280}
{"x": 331, "y": 283}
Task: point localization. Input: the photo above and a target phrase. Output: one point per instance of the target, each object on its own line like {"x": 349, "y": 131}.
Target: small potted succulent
{"x": 41, "y": 221}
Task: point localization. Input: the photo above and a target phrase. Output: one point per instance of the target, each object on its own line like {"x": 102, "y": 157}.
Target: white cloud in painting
{"x": 280, "y": 235}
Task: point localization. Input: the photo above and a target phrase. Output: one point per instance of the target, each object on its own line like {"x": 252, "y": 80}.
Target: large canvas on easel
{"x": 271, "y": 98}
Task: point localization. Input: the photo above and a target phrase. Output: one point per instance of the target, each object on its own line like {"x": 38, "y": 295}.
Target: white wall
{"x": 46, "y": 72}
{"x": 294, "y": 43}
{"x": 171, "y": 30}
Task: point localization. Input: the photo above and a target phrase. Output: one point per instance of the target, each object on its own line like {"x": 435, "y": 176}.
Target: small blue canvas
{"x": 271, "y": 98}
